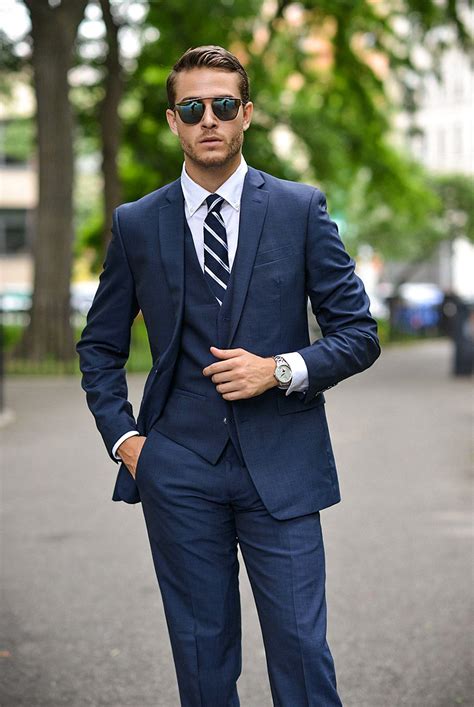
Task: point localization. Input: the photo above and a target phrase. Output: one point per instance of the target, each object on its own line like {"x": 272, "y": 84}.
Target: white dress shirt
{"x": 195, "y": 210}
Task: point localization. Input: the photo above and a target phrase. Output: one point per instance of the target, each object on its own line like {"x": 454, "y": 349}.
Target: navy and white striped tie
{"x": 216, "y": 255}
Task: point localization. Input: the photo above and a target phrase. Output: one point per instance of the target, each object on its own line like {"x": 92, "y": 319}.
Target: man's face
{"x": 211, "y": 142}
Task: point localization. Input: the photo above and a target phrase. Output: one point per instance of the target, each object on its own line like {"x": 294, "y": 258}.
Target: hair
{"x": 210, "y": 56}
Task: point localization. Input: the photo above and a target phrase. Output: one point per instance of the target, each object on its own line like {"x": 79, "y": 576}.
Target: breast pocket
{"x": 259, "y": 327}
{"x": 264, "y": 286}
{"x": 272, "y": 255}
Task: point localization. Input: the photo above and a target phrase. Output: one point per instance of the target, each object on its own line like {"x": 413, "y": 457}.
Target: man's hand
{"x": 240, "y": 374}
{"x": 129, "y": 451}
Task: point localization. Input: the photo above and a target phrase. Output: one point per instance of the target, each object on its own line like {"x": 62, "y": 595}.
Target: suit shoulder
{"x": 153, "y": 200}
{"x": 289, "y": 188}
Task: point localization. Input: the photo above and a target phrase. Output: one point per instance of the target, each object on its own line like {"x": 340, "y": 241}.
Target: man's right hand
{"x": 130, "y": 450}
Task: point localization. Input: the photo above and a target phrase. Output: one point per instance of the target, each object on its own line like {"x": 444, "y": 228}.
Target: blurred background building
{"x": 18, "y": 192}
{"x": 440, "y": 135}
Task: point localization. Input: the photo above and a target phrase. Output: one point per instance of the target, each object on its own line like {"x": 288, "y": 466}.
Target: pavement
{"x": 83, "y": 622}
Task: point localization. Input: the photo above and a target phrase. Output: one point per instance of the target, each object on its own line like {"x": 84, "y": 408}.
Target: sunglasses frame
{"x": 239, "y": 101}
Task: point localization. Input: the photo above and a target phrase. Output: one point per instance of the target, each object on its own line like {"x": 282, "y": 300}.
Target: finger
{"x": 225, "y": 377}
{"x": 218, "y": 367}
{"x": 229, "y": 387}
{"x": 235, "y": 395}
{"x": 226, "y": 353}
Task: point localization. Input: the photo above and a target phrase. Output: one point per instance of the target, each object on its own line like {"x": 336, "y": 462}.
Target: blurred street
{"x": 83, "y": 622}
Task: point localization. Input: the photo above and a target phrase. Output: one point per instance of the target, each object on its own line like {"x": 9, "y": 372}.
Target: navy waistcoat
{"x": 195, "y": 414}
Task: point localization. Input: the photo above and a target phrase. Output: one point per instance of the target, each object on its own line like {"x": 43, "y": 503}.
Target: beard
{"x": 210, "y": 160}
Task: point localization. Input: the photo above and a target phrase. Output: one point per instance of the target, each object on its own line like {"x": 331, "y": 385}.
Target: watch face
{"x": 283, "y": 374}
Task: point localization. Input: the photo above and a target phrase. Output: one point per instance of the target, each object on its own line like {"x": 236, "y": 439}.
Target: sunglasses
{"x": 192, "y": 111}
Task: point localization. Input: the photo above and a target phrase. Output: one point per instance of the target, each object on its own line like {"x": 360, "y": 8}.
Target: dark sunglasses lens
{"x": 191, "y": 112}
{"x": 225, "y": 108}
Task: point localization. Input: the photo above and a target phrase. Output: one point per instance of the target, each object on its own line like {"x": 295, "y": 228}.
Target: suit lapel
{"x": 253, "y": 208}
{"x": 171, "y": 239}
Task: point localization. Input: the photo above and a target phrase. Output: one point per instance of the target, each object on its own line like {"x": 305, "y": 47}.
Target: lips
{"x": 211, "y": 140}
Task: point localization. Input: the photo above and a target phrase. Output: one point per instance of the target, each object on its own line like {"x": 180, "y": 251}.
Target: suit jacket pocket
{"x": 189, "y": 393}
{"x": 141, "y": 456}
{"x": 270, "y": 256}
{"x": 293, "y": 403}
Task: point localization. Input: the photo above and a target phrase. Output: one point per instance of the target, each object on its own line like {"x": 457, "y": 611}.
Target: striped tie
{"x": 216, "y": 258}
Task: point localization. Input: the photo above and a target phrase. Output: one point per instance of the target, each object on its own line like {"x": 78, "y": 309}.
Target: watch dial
{"x": 284, "y": 374}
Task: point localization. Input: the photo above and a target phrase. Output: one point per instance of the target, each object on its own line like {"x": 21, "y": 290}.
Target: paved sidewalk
{"x": 83, "y": 622}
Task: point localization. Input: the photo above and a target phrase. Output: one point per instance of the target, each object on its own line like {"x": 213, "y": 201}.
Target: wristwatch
{"x": 282, "y": 372}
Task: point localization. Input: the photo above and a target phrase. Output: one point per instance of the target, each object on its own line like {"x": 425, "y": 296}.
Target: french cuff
{"x": 299, "y": 370}
{"x": 117, "y": 444}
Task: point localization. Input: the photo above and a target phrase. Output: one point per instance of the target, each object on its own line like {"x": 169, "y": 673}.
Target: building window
{"x": 13, "y": 231}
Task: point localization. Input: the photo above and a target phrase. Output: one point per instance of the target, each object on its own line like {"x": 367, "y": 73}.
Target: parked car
{"x": 16, "y": 300}
{"x": 82, "y": 294}
{"x": 415, "y": 307}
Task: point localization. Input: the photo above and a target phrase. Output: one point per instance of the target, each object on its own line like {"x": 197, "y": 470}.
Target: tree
{"x": 110, "y": 128}
{"x": 319, "y": 77}
{"x": 97, "y": 103}
{"x": 449, "y": 214}
{"x": 53, "y": 31}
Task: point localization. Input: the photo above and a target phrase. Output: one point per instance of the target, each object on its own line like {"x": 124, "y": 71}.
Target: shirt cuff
{"x": 300, "y": 378}
{"x": 120, "y": 440}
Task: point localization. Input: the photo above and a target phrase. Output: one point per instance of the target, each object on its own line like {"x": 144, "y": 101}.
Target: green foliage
{"x": 89, "y": 237}
{"x": 456, "y": 193}
{"x": 312, "y": 73}
{"x": 139, "y": 360}
{"x": 330, "y": 99}
{"x": 10, "y": 65}
{"x": 18, "y": 139}
{"x": 444, "y": 210}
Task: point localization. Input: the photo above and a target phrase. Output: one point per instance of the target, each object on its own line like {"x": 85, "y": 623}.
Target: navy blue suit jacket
{"x": 288, "y": 249}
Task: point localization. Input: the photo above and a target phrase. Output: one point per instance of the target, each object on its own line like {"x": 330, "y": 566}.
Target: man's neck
{"x": 212, "y": 178}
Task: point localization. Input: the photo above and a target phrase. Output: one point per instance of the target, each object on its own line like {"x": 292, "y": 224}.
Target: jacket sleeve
{"x": 104, "y": 345}
{"x": 339, "y": 303}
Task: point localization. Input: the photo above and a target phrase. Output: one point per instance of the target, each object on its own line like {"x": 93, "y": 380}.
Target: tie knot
{"x": 214, "y": 202}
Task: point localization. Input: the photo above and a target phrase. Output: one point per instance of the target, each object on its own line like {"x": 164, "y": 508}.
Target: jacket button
{"x": 225, "y": 420}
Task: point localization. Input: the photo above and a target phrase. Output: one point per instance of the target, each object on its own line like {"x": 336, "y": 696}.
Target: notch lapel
{"x": 253, "y": 208}
{"x": 171, "y": 240}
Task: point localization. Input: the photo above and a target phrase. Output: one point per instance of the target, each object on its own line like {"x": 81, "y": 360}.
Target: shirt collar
{"x": 231, "y": 190}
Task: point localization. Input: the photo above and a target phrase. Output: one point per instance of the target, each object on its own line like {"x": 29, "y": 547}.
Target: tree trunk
{"x": 49, "y": 334}
{"x": 110, "y": 122}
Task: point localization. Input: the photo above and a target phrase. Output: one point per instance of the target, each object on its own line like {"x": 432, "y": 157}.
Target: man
{"x": 231, "y": 445}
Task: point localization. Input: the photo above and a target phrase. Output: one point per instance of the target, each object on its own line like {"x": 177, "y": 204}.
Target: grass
{"x": 139, "y": 360}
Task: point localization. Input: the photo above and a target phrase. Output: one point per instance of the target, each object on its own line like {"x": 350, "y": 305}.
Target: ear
{"x": 171, "y": 118}
{"x": 248, "y": 112}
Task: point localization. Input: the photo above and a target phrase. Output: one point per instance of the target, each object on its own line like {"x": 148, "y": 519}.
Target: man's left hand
{"x": 240, "y": 374}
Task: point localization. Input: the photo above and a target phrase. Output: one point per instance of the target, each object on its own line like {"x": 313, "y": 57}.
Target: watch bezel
{"x": 280, "y": 371}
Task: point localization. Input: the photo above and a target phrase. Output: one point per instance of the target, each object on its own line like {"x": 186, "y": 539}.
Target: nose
{"x": 209, "y": 120}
